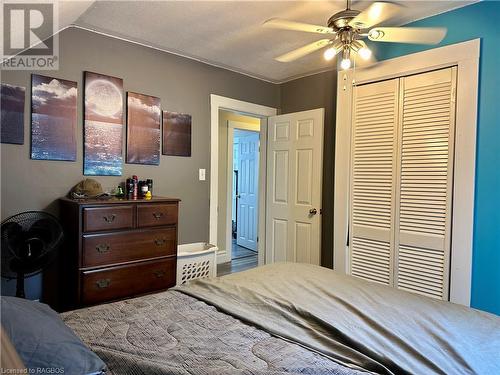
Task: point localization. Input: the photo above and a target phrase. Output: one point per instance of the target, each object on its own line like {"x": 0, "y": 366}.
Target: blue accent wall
{"x": 480, "y": 20}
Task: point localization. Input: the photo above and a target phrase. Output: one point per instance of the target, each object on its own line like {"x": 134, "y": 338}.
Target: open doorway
{"x": 289, "y": 183}
{"x": 245, "y": 192}
{"x": 239, "y": 186}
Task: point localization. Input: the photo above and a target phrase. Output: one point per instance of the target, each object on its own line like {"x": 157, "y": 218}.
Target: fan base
{"x": 20, "y": 286}
{"x": 341, "y": 19}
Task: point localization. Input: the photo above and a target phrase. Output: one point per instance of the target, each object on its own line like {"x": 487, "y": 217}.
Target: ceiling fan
{"x": 346, "y": 29}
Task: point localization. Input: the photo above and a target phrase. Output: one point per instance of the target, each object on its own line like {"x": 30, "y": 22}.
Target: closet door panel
{"x": 424, "y": 182}
{"x": 375, "y": 115}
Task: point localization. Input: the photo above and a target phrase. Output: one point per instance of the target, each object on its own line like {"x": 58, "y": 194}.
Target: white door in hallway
{"x": 294, "y": 179}
{"x": 248, "y": 186}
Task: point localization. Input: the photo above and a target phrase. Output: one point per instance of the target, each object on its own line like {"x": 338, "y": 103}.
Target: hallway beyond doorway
{"x": 239, "y": 252}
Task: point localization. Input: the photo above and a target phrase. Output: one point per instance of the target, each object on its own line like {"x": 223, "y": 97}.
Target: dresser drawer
{"x": 150, "y": 215}
{"x": 123, "y": 281}
{"x": 107, "y": 218}
{"x": 103, "y": 249}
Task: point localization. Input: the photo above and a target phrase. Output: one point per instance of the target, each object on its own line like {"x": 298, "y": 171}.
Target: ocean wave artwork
{"x": 176, "y": 134}
{"x": 103, "y": 154}
{"x": 53, "y": 118}
{"x": 103, "y": 125}
{"x": 12, "y": 114}
{"x": 143, "y": 129}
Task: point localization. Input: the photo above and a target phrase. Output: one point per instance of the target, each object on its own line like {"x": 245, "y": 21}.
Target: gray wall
{"x": 183, "y": 85}
{"x": 311, "y": 92}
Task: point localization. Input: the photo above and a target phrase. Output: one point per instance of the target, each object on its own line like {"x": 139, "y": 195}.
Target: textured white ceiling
{"x": 229, "y": 34}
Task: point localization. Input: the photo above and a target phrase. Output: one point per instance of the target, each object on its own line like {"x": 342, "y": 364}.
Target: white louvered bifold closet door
{"x": 425, "y": 182}
{"x": 374, "y": 139}
{"x": 402, "y": 182}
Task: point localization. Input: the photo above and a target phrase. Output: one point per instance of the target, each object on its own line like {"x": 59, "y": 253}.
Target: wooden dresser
{"x": 117, "y": 248}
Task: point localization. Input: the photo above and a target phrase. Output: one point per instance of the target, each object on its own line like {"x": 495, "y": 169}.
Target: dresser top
{"x": 115, "y": 200}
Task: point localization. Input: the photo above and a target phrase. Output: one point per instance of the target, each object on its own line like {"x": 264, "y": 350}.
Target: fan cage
{"x": 26, "y": 220}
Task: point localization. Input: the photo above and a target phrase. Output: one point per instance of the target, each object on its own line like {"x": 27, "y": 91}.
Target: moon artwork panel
{"x": 103, "y": 124}
{"x": 176, "y": 134}
{"x": 12, "y": 114}
{"x": 53, "y": 118}
{"x": 143, "y": 129}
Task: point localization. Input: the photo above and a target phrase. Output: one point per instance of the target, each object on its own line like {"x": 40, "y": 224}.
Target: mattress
{"x": 358, "y": 323}
{"x": 173, "y": 333}
{"x": 289, "y": 319}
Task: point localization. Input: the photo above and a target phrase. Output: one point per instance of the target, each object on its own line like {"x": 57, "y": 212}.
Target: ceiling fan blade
{"x": 416, "y": 35}
{"x": 302, "y": 51}
{"x": 278, "y": 23}
{"x": 375, "y": 14}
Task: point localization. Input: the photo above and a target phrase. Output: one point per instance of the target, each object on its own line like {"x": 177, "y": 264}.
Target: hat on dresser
{"x": 87, "y": 188}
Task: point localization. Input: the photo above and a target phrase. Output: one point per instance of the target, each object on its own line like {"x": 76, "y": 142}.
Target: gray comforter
{"x": 358, "y": 323}
{"x": 173, "y": 333}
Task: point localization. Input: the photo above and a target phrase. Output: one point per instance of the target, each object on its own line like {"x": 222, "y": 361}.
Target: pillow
{"x": 44, "y": 343}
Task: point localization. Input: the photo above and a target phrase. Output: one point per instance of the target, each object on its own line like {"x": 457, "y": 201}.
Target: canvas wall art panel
{"x": 53, "y": 118}
{"x": 143, "y": 129}
{"x": 12, "y": 114}
{"x": 103, "y": 125}
{"x": 176, "y": 134}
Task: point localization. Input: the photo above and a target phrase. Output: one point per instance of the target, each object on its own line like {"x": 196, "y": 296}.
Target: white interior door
{"x": 402, "y": 182}
{"x": 373, "y": 158}
{"x": 248, "y": 187}
{"x": 424, "y": 187}
{"x": 294, "y": 178}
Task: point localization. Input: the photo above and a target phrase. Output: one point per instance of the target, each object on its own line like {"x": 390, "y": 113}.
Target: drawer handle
{"x": 104, "y": 283}
{"x": 159, "y": 274}
{"x": 157, "y": 215}
{"x": 109, "y": 218}
{"x": 103, "y": 248}
{"x": 160, "y": 241}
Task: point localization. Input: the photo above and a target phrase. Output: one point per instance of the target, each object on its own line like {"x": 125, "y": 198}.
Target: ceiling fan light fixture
{"x": 365, "y": 53}
{"x": 346, "y": 58}
{"x": 345, "y": 64}
{"x": 347, "y": 29}
{"x": 330, "y": 53}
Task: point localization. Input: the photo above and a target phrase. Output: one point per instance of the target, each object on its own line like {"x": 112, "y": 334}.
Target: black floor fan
{"x": 30, "y": 241}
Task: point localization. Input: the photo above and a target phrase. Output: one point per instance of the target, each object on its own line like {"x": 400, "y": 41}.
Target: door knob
{"x": 313, "y": 211}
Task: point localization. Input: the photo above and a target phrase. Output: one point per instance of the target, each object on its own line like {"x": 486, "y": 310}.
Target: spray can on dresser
{"x": 136, "y": 186}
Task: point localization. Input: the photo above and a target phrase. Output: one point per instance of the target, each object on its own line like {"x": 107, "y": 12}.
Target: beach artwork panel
{"x": 103, "y": 125}
{"x": 53, "y": 118}
{"x": 143, "y": 129}
{"x": 176, "y": 134}
{"x": 12, "y": 114}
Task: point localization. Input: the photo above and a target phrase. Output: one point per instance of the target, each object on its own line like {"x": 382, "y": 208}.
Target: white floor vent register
{"x": 196, "y": 261}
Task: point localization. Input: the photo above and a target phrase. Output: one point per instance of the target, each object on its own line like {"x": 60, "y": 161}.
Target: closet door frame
{"x": 465, "y": 56}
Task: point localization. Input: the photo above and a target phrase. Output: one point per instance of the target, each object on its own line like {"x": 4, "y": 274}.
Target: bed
{"x": 276, "y": 319}
{"x": 173, "y": 333}
{"x": 288, "y": 319}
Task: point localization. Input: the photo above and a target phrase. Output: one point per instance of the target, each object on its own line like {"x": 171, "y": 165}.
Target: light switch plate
{"x": 202, "y": 174}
